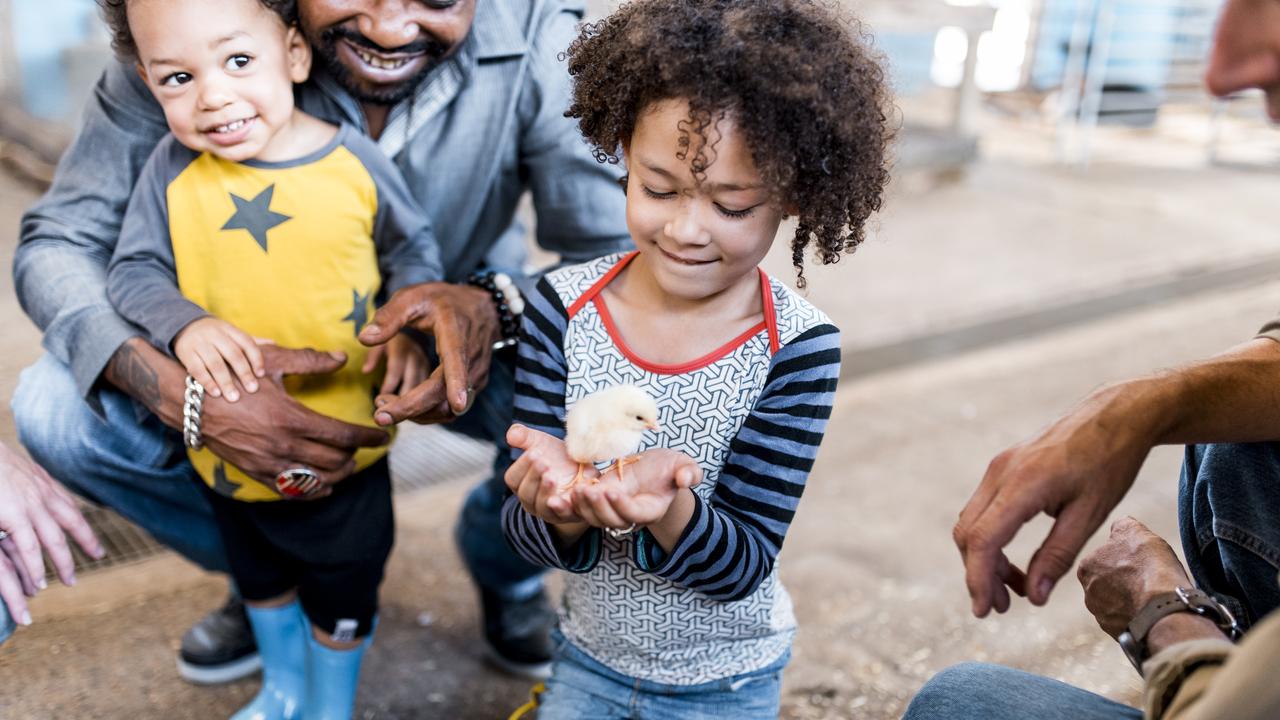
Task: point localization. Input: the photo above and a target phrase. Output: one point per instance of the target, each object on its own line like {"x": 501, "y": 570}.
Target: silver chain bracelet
{"x": 192, "y": 400}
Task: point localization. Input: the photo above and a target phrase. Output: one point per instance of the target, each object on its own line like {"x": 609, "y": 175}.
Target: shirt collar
{"x": 499, "y": 28}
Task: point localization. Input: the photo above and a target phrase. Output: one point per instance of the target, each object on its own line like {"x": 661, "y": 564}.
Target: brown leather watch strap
{"x": 1156, "y": 609}
{"x": 1184, "y": 599}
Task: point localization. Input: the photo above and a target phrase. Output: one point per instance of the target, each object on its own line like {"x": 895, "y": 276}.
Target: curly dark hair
{"x": 115, "y": 13}
{"x": 797, "y": 76}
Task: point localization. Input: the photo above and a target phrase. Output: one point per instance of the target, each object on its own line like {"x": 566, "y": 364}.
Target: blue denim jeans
{"x": 1229, "y": 518}
{"x": 7, "y": 626}
{"x": 582, "y": 689}
{"x": 131, "y": 462}
{"x": 977, "y": 691}
{"x": 478, "y": 533}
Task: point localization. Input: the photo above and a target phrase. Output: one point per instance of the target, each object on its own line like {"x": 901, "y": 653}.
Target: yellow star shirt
{"x": 295, "y": 252}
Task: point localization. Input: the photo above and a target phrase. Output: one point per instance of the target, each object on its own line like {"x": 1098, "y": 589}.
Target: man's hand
{"x": 465, "y": 325}
{"x": 36, "y": 512}
{"x": 1123, "y": 575}
{"x": 407, "y": 364}
{"x": 268, "y": 431}
{"x": 1076, "y": 471}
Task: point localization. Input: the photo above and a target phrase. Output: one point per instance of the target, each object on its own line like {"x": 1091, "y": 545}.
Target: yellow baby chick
{"x": 608, "y": 424}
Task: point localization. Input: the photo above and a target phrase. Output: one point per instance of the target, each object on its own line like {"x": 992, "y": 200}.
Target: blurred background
{"x": 1069, "y": 208}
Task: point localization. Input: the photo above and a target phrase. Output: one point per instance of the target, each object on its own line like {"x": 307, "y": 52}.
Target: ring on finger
{"x": 298, "y": 482}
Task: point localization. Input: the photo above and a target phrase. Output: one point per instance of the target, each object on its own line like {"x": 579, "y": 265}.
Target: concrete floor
{"x": 877, "y": 583}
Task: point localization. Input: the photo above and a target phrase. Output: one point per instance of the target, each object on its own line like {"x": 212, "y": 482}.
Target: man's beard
{"x": 326, "y": 49}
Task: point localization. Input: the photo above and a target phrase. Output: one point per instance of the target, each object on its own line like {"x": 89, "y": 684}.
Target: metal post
{"x": 9, "y": 74}
{"x": 1073, "y": 77}
{"x": 966, "y": 107}
{"x": 1095, "y": 80}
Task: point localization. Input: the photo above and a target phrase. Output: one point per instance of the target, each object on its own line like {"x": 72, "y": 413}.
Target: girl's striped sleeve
{"x": 539, "y": 404}
{"x": 729, "y": 545}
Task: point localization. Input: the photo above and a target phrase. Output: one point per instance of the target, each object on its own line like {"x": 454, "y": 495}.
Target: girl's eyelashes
{"x": 238, "y": 61}
{"x": 734, "y": 214}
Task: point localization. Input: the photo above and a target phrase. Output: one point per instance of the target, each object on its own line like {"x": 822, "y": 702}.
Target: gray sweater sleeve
{"x": 408, "y": 253}
{"x": 142, "y": 281}
{"x": 67, "y": 237}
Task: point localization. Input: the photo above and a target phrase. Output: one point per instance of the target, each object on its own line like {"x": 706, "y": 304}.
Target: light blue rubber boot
{"x": 332, "y": 678}
{"x": 281, "y": 633}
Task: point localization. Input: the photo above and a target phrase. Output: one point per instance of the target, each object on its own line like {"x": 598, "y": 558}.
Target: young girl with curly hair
{"x": 729, "y": 115}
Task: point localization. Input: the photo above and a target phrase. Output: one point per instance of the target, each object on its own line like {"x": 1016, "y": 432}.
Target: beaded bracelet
{"x": 506, "y": 300}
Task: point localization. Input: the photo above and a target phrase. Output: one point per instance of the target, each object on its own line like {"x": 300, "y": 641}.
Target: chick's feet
{"x": 577, "y": 478}
{"x": 619, "y": 465}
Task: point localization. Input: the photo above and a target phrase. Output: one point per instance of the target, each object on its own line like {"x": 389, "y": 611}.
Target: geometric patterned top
{"x": 751, "y": 413}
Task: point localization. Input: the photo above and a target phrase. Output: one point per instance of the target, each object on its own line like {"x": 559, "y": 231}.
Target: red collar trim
{"x": 592, "y": 295}
{"x": 770, "y": 315}
{"x": 705, "y": 360}
{"x": 599, "y": 285}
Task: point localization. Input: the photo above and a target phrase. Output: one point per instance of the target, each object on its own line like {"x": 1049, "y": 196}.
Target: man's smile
{"x": 382, "y": 67}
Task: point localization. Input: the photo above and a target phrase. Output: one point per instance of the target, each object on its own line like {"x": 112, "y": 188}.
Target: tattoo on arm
{"x": 129, "y": 371}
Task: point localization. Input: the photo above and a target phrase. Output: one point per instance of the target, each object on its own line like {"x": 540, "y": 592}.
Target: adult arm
{"x": 68, "y": 235}
{"x": 1079, "y": 468}
{"x": 1208, "y": 678}
{"x": 731, "y": 541}
{"x": 580, "y": 213}
{"x": 263, "y": 432}
{"x": 1193, "y": 671}
{"x": 581, "y": 208}
{"x": 461, "y": 318}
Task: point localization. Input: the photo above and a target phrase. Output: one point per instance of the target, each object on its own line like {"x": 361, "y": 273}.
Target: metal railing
{"x": 1126, "y": 59}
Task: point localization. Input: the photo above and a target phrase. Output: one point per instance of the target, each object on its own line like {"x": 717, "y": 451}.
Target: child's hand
{"x": 406, "y": 364}
{"x": 642, "y": 495}
{"x": 207, "y": 346}
{"x": 537, "y": 476}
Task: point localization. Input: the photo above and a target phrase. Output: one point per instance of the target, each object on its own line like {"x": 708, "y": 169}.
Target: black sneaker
{"x": 220, "y": 648}
{"x": 517, "y": 634}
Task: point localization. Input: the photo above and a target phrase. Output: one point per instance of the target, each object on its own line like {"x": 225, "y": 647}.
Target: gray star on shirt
{"x": 221, "y": 484}
{"x": 359, "y": 310}
{"x": 255, "y": 215}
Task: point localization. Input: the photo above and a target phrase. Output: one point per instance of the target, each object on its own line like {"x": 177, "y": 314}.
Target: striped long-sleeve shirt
{"x": 751, "y": 413}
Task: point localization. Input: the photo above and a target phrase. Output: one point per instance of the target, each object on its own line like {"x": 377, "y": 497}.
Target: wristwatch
{"x": 1183, "y": 599}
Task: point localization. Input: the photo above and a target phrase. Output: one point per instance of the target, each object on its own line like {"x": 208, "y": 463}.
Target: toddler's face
{"x": 701, "y": 237}
{"x": 223, "y": 70}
